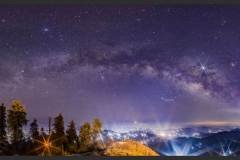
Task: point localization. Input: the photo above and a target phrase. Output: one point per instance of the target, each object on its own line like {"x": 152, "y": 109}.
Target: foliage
{"x": 59, "y": 134}
{"x": 39, "y": 142}
{"x": 96, "y": 131}
{"x": 3, "y": 125}
{"x": 34, "y": 130}
{"x": 96, "y": 128}
{"x": 85, "y": 137}
{"x": 72, "y": 138}
{"x": 17, "y": 118}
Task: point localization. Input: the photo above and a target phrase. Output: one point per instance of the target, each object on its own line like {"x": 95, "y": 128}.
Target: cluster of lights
{"x": 166, "y": 134}
{"x": 174, "y": 148}
{"x": 182, "y": 150}
{"x": 117, "y": 136}
{"x": 226, "y": 152}
{"x": 187, "y": 149}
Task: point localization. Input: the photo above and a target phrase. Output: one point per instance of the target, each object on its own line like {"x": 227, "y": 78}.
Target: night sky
{"x": 123, "y": 64}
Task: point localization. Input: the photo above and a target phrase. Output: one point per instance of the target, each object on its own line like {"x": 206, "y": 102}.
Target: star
{"x": 3, "y": 20}
{"x": 78, "y": 18}
{"x": 203, "y": 68}
{"x": 135, "y": 122}
{"x": 45, "y": 29}
{"x": 223, "y": 22}
{"x": 60, "y": 36}
{"x": 233, "y": 64}
{"x": 102, "y": 76}
{"x": 138, "y": 19}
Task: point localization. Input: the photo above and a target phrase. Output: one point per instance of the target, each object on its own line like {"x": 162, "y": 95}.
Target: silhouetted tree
{"x": 3, "y": 133}
{"x": 59, "y": 125}
{"x": 3, "y": 123}
{"x": 34, "y": 131}
{"x": 17, "y": 118}
{"x": 34, "y": 139}
{"x": 49, "y": 125}
{"x": 42, "y": 133}
{"x": 72, "y": 138}
{"x": 85, "y": 136}
{"x": 59, "y": 134}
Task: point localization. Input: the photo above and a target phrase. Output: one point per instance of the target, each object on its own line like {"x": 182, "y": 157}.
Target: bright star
{"x": 233, "y": 64}
{"x": 203, "y": 68}
{"x": 45, "y": 29}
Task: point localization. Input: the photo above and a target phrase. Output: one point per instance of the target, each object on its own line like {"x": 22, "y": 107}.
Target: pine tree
{"x": 34, "y": 131}
{"x": 85, "y": 136}
{"x": 49, "y": 125}
{"x": 72, "y": 138}
{"x": 42, "y": 133}
{"x": 3, "y": 125}
{"x": 71, "y": 133}
{"x": 59, "y": 134}
{"x": 59, "y": 125}
{"x": 3, "y": 134}
{"x": 16, "y": 120}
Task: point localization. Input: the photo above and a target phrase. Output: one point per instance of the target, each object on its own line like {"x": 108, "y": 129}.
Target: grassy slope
{"x": 129, "y": 148}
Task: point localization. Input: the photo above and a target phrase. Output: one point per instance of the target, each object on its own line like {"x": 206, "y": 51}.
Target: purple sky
{"x": 123, "y": 64}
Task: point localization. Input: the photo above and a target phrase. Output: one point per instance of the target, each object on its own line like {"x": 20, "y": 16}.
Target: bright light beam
{"x": 185, "y": 150}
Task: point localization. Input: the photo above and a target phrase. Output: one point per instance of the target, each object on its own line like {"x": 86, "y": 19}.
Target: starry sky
{"x": 123, "y": 63}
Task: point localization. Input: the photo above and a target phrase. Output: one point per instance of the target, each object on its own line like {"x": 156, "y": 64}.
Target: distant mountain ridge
{"x": 208, "y": 141}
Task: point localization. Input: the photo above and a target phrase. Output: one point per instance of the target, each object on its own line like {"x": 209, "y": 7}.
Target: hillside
{"x": 129, "y": 148}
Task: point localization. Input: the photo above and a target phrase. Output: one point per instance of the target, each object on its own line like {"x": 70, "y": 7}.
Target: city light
{"x": 46, "y": 146}
{"x": 181, "y": 150}
{"x": 226, "y": 151}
